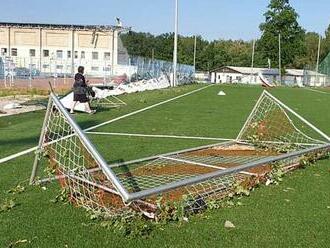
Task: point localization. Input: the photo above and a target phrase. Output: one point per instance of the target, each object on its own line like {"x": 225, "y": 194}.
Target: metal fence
{"x": 35, "y": 73}
{"x": 316, "y": 80}
{"x": 312, "y": 78}
{"x": 324, "y": 67}
{"x": 146, "y": 68}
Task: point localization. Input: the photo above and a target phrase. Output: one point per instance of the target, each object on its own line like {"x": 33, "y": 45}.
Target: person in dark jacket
{"x": 80, "y": 91}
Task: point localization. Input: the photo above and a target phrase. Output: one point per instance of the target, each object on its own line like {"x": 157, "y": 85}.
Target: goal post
{"x": 40, "y": 144}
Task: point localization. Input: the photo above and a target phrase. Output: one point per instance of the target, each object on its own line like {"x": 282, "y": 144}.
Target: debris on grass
{"x": 11, "y": 105}
{"x": 18, "y": 189}
{"x": 18, "y": 242}
{"x": 132, "y": 227}
{"x": 229, "y": 224}
{"x": 62, "y": 196}
{"x": 7, "y": 204}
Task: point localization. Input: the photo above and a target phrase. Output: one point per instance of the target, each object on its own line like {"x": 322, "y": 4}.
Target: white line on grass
{"x": 159, "y": 136}
{"x": 318, "y": 91}
{"x": 13, "y": 156}
{"x": 147, "y": 108}
{"x": 203, "y": 164}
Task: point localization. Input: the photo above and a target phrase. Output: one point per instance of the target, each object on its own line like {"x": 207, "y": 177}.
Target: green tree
{"x": 308, "y": 59}
{"x": 281, "y": 18}
{"x": 326, "y": 44}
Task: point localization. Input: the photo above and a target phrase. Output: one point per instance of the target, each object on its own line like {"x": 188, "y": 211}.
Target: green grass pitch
{"x": 295, "y": 213}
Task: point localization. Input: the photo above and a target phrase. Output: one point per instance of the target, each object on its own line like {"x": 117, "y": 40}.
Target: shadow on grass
{"x": 33, "y": 140}
{"x": 125, "y": 174}
{"x": 83, "y": 124}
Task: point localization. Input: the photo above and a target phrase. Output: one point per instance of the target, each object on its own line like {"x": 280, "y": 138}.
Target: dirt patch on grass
{"x": 234, "y": 150}
{"x": 24, "y": 104}
{"x": 182, "y": 169}
{"x": 260, "y": 170}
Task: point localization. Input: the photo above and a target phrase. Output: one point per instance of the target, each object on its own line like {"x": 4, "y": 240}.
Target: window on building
{"x": 69, "y": 54}
{"x": 95, "y": 68}
{"x": 32, "y": 52}
{"x": 59, "y": 54}
{"x": 107, "y": 56}
{"x": 107, "y": 68}
{"x": 14, "y": 52}
{"x": 45, "y": 66}
{"x": 46, "y": 53}
{"x": 75, "y": 54}
{"x": 82, "y": 55}
{"x": 95, "y": 55}
{"x": 3, "y": 51}
{"x": 60, "y": 67}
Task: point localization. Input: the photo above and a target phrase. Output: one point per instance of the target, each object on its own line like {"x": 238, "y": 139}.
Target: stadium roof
{"x": 62, "y": 26}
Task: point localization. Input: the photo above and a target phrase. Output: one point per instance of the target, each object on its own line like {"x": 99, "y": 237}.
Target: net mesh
{"x": 75, "y": 167}
{"x": 270, "y": 125}
{"x": 108, "y": 102}
{"x": 87, "y": 186}
{"x": 325, "y": 65}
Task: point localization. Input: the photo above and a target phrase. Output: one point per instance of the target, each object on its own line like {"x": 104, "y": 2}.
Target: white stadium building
{"x": 60, "y": 49}
{"x": 249, "y": 75}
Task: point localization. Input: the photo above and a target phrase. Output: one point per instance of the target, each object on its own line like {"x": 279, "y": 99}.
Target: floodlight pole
{"x": 318, "y": 55}
{"x": 195, "y": 49}
{"x": 153, "y": 62}
{"x": 252, "y": 60}
{"x": 318, "y": 60}
{"x": 175, "y": 51}
{"x": 279, "y": 58}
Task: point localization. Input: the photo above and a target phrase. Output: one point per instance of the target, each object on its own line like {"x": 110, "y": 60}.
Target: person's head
{"x": 81, "y": 69}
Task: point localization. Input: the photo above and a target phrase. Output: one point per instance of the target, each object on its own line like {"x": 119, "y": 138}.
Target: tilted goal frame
{"x": 119, "y": 188}
{"x": 284, "y": 108}
{"x": 84, "y": 140}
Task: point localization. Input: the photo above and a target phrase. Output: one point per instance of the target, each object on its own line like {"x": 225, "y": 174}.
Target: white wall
{"x": 201, "y": 76}
{"x": 67, "y": 41}
{"x": 226, "y": 77}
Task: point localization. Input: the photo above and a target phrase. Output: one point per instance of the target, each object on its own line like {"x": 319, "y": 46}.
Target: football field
{"x": 294, "y": 213}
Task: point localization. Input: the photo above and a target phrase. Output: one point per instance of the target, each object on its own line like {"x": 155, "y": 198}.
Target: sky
{"x": 213, "y": 19}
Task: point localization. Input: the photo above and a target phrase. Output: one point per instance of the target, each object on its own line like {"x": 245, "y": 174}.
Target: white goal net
{"x": 193, "y": 177}
{"x": 272, "y": 123}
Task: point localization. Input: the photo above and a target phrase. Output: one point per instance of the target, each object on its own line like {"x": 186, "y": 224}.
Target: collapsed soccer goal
{"x": 274, "y": 136}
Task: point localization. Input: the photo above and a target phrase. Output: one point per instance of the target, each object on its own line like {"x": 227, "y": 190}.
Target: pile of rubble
{"x": 11, "y": 105}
